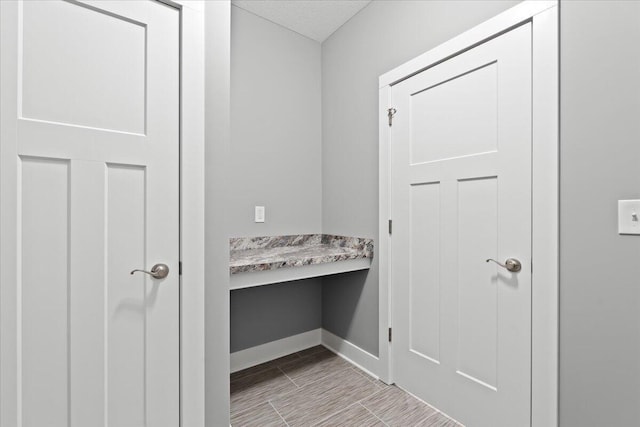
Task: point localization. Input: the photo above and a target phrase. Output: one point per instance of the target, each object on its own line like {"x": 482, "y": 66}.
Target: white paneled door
{"x": 89, "y": 192}
{"x": 461, "y": 194}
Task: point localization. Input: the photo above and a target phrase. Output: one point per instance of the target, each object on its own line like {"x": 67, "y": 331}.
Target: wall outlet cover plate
{"x": 628, "y": 216}
{"x": 259, "y": 214}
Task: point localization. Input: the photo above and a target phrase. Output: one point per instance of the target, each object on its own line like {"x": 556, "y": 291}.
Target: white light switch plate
{"x": 259, "y": 214}
{"x": 628, "y": 216}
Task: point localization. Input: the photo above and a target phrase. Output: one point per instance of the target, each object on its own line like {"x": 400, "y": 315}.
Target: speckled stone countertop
{"x": 273, "y": 252}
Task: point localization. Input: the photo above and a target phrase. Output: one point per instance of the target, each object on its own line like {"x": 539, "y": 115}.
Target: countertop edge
{"x": 363, "y": 248}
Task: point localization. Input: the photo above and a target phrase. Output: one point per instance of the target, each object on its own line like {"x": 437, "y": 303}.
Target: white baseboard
{"x": 351, "y": 353}
{"x": 272, "y": 350}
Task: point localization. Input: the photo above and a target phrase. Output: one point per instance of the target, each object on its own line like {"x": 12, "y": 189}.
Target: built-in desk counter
{"x": 256, "y": 261}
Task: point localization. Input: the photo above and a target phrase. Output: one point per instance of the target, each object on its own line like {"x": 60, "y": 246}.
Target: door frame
{"x": 543, "y": 15}
{"x": 192, "y": 202}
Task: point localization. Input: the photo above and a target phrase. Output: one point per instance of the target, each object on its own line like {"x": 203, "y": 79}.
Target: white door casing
{"x": 90, "y": 191}
{"x": 461, "y": 193}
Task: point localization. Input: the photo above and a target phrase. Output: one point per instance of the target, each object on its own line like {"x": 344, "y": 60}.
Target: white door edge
{"x": 545, "y": 215}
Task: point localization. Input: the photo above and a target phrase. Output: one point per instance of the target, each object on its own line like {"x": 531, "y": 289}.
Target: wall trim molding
{"x": 351, "y": 353}
{"x": 272, "y": 350}
{"x": 192, "y": 180}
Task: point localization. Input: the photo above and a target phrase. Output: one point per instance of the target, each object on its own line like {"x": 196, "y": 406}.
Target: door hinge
{"x": 390, "y": 113}
{"x": 389, "y": 334}
{"x": 180, "y": 268}
{"x": 390, "y": 226}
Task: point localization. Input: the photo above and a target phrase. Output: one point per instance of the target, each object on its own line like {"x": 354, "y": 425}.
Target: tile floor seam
{"x": 312, "y": 382}
{"x": 290, "y": 379}
{"x": 279, "y": 414}
{"x": 309, "y": 384}
{"x": 269, "y": 400}
{"x": 333, "y": 414}
{"x": 369, "y": 397}
{"x": 231, "y": 412}
{"x": 324, "y": 389}
{"x": 372, "y": 381}
{"x": 372, "y": 413}
{"x": 364, "y": 374}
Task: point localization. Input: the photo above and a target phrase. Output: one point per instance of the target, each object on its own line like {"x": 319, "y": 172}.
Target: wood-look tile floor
{"x": 315, "y": 387}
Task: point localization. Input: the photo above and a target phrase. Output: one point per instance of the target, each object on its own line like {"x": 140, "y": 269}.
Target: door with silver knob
{"x": 461, "y": 194}
{"x": 158, "y": 271}
{"x": 510, "y": 264}
{"x": 89, "y": 148}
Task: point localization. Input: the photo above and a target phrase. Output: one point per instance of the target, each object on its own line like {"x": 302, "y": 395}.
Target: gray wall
{"x": 382, "y": 36}
{"x": 600, "y": 164}
{"x": 275, "y": 161}
{"x": 216, "y": 251}
{"x": 275, "y": 129}
{"x": 269, "y": 313}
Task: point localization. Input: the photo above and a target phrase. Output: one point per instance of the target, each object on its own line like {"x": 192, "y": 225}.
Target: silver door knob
{"x": 158, "y": 271}
{"x": 510, "y": 264}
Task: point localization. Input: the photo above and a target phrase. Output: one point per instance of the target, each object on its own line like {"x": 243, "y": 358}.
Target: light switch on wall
{"x": 628, "y": 216}
{"x": 259, "y": 214}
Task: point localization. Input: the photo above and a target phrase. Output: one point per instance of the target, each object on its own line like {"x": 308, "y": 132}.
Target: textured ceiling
{"x": 316, "y": 19}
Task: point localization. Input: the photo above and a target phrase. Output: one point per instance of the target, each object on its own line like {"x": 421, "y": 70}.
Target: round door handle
{"x": 158, "y": 271}
{"x": 510, "y": 264}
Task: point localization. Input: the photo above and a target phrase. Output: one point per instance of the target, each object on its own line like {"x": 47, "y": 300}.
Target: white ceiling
{"x": 316, "y": 19}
